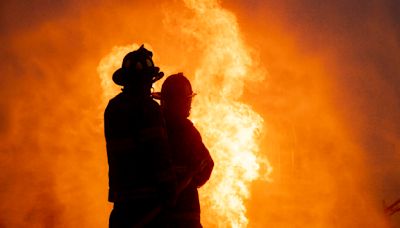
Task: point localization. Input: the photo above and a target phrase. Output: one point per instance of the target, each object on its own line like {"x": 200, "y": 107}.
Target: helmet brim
{"x": 119, "y": 77}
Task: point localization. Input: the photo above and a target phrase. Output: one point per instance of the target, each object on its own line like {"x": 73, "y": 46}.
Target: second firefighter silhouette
{"x": 140, "y": 172}
{"x": 191, "y": 159}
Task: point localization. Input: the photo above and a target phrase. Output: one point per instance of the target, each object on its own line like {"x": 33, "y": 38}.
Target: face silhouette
{"x": 178, "y": 107}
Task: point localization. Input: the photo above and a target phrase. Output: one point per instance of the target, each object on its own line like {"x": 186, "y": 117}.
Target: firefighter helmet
{"x": 137, "y": 67}
{"x": 176, "y": 86}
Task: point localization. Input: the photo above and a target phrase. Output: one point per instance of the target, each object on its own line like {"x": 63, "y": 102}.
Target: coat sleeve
{"x": 204, "y": 157}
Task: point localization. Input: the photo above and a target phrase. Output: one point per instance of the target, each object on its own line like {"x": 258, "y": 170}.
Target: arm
{"x": 203, "y": 159}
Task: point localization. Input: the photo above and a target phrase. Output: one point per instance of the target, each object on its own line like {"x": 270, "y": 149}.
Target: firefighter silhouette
{"x": 140, "y": 172}
{"x": 192, "y": 161}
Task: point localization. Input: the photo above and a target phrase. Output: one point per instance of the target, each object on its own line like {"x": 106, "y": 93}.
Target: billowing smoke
{"x": 330, "y": 106}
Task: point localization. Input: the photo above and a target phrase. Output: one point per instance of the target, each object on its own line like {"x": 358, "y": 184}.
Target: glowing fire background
{"x": 329, "y": 100}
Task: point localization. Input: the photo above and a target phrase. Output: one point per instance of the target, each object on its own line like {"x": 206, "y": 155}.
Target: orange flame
{"x": 229, "y": 127}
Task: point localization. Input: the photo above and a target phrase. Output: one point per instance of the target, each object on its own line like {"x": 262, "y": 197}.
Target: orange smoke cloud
{"x": 329, "y": 104}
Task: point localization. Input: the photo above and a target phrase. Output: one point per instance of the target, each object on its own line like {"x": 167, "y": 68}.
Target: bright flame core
{"x": 229, "y": 128}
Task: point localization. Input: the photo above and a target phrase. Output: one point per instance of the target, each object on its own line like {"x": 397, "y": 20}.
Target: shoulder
{"x": 150, "y": 107}
{"x": 113, "y": 102}
{"x": 117, "y": 100}
{"x": 153, "y": 104}
{"x": 191, "y": 130}
{"x": 188, "y": 125}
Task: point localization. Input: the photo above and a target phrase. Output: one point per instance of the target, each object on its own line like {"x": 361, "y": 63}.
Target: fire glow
{"x": 330, "y": 107}
{"x": 229, "y": 127}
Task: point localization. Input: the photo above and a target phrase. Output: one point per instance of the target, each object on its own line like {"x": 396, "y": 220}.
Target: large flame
{"x": 229, "y": 127}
